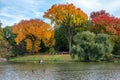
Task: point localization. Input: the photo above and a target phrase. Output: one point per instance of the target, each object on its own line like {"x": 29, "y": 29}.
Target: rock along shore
{"x": 3, "y": 59}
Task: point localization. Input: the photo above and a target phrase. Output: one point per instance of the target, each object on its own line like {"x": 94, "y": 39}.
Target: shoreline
{"x": 65, "y": 58}
{"x": 44, "y": 58}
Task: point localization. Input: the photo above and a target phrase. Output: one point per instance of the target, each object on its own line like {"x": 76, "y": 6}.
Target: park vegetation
{"x": 94, "y": 38}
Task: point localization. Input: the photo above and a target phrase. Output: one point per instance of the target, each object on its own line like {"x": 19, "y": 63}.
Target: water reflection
{"x": 59, "y": 71}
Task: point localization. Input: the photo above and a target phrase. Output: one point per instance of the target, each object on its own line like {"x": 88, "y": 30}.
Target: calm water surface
{"x": 59, "y": 71}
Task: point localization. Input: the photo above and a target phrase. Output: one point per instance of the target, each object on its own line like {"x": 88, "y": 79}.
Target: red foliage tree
{"x": 105, "y": 23}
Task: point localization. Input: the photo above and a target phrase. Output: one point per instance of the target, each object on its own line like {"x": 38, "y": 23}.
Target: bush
{"x": 91, "y": 47}
{"x": 5, "y": 52}
{"x": 52, "y": 51}
{"x": 19, "y": 49}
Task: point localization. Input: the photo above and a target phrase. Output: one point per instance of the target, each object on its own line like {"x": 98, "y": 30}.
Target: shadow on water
{"x": 59, "y": 71}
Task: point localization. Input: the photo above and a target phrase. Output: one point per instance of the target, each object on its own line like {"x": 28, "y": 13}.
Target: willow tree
{"x": 33, "y": 32}
{"x": 67, "y": 16}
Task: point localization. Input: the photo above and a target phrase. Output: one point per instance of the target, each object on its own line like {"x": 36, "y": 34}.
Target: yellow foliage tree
{"x": 68, "y": 16}
{"x": 33, "y": 32}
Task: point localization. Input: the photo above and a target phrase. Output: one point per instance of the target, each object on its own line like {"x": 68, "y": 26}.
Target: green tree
{"x": 9, "y": 36}
{"x": 4, "y": 46}
{"x": 61, "y": 41}
{"x": 91, "y": 47}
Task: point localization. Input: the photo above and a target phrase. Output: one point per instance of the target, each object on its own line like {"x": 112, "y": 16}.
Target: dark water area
{"x": 59, "y": 71}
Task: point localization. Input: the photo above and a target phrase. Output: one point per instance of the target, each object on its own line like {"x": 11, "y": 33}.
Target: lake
{"x": 59, "y": 71}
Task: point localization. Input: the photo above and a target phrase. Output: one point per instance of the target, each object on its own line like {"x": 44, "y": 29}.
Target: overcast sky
{"x": 12, "y": 11}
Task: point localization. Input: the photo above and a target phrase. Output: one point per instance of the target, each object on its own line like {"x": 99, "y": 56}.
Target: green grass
{"x": 45, "y": 58}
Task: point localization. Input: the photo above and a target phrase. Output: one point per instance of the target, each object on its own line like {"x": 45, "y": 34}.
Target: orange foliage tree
{"x": 33, "y": 32}
{"x": 67, "y": 16}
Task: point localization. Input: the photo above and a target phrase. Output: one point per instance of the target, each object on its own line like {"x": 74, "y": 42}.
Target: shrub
{"x": 52, "y": 51}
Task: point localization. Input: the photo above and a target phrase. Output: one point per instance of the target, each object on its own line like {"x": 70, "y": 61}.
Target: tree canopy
{"x": 91, "y": 47}
{"x": 33, "y": 32}
{"x": 105, "y": 23}
{"x": 68, "y": 16}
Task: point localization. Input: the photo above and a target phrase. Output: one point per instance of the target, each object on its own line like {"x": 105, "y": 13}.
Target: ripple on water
{"x": 71, "y": 71}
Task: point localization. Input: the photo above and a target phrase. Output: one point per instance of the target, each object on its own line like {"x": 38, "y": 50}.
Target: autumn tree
{"x": 33, "y": 32}
{"x": 105, "y": 23}
{"x": 67, "y": 16}
{"x": 98, "y": 13}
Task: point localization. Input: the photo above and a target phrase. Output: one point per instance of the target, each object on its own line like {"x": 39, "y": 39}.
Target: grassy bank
{"x": 45, "y": 58}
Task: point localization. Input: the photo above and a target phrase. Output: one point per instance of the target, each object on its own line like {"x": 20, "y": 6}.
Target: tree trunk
{"x": 33, "y": 47}
{"x": 70, "y": 45}
{"x": 87, "y": 59}
{"x": 69, "y": 36}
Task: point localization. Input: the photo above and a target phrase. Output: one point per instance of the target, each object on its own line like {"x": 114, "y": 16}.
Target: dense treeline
{"x": 95, "y": 39}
